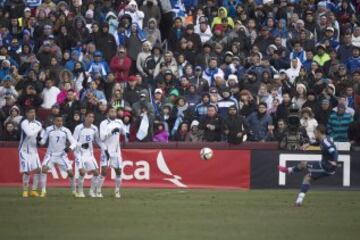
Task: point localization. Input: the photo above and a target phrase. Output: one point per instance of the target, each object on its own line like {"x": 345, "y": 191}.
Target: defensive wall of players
{"x": 178, "y": 165}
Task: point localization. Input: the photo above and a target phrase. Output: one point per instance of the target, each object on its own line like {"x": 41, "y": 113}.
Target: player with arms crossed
{"x": 57, "y": 150}
{"x": 326, "y": 167}
{"x": 85, "y": 134}
{"x": 28, "y": 153}
{"x": 110, "y": 129}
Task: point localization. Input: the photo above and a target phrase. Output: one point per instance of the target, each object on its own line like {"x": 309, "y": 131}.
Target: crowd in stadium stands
{"x": 180, "y": 70}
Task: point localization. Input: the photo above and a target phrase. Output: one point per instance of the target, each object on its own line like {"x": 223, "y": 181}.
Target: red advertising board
{"x": 170, "y": 168}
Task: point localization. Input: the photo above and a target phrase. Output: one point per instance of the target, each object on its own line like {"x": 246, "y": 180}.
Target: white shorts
{"x": 28, "y": 161}
{"x": 115, "y": 161}
{"x": 86, "y": 162}
{"x": 62, "y": 161}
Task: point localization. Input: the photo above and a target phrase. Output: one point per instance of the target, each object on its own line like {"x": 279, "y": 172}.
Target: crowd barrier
{"x": 178, "y": 165}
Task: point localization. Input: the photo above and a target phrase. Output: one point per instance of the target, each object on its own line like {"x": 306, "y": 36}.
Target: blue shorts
{"x": 317, "y": 171}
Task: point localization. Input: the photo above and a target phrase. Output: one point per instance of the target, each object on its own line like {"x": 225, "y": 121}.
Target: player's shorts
{"x": 62, "y": 161}
{"x": 317, "y": 171}
{"x": 86, "y": 162}
{"x": 115, "y": 161}
{"x": 28, "y": 161}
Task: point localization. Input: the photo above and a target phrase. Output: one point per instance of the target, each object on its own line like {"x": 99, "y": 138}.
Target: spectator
{"x": 182, "y": 133}
{"x": 152, "y": 33}
{"x": 7, "y": 89}
{"x": 151, "y": 10}
{"x": 323, "y": 113}
{"x": 29, "y": 98}
{"x": 49, "y": 94}
{"x": 10, "y": 133}
{"x": 338, "y": 124}
{"x": 309, "y": 123}
{"x": 211, "y": 125}
{"x": 195, "y": 134}
{"x": 14, "y": 117}
{"x": 120, "y": 65}
{"x": 234, "y": 126}
{"x": 160, "y": 134}
{"x": 353, "y": 63}
{"x": 258, "y": 123}
{"x": 55, "y": 111}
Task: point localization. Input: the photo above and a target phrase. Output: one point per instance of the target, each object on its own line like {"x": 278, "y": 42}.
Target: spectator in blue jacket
{"x": 259, "y": 123}
{"x": 338, "y": 124}
{"x": 353, "y": 63}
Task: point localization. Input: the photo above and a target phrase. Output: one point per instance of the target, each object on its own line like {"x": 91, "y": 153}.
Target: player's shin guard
{"x": 36, "y": 181}
{"x": 117, "y": 183}
{"x": 43, "y": 181}
{"x": 81, "y": 184}
{"x": 26, "y": 179}
{"x": 100, "y": 183}
{"x": 303, "y": 190}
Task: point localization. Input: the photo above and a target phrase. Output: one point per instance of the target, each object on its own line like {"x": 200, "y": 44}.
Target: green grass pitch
{"x": 175, "y": 214}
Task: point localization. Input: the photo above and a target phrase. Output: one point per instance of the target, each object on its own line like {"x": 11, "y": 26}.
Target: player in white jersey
{"x": 110, "y": 130}
{"x": 85, "y": 134}
{"x": 28, "y": 153}
{"x": 57, "y": 150}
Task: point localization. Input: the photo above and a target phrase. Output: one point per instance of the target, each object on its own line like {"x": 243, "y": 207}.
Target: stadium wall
{"x": 179, "y": 166}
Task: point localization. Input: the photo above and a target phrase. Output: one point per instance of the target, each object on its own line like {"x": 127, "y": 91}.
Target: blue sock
{"x": 304, "y": 187}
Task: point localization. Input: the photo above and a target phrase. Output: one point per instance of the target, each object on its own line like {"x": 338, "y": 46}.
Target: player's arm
{"x": 44, "y": 137}
{"x": 76, "y": 137}
{"x": 30, "y": 132}
{"x": 105, "y": 132}
{"x": 98, "y": 141}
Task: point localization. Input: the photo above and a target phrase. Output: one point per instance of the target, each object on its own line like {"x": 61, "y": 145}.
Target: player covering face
{"x": 316, "y": 170}
{"x": 110, "y": 130}
{"x": 58, "y": 137}
{"x": 85, "y": 134}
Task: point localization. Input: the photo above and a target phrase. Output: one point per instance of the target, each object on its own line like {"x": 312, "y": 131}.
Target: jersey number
{"x": 88, "y": 138}
{"x": 57, "y": 139}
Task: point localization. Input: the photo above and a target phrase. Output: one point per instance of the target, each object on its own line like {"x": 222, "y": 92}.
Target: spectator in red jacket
{"x": 120, "y": 64}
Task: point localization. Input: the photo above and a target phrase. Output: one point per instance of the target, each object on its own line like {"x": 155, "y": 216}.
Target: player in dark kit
{"x": 316, "y": 170}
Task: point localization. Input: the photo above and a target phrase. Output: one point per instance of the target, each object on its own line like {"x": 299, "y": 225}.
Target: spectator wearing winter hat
{"x": 132, "y": 10}
{"x": 14, "y": 116}
{"x": 195, "y": 134}
{"x": 258, "y": 123}
{"x": 98, "y": 67}
{"x": 338, "y": 124}
{"x": 7, "y": 89}
{"x": 152, "y": 32}
{"x": 151, "y": 10}
{"x": 120, "y": 65}
{"x": 222, "y": 15}
{"x": 107, "y": 43}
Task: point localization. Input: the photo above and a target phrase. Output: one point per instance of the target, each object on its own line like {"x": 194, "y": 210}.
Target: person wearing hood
{"x": 190, "y": 35}
{"x": 14, "y": 116}
{"x": 204, "y": 30}
{"x": 225, "y": 103}
{"x": 113, "y": 22}
{"x": 195, "y": 134}
{"x": 7, "y": 89}
{"x": 152, "y": 32}
{"x": 120, "y": 65}
{"x": 133, "y": 43}
{"x": 168, "y": 62}
{"x": 106, "y": 43}
{"x": 294, "y": 70}
{"x": 80, "y": 32}
{"x": 234, "y": 126}
{"x": 259, "y": 123}
{"x": 211, "y": 125}
{"x": 202, "y": 108}
{"x": 131, "y": 9}
{"x": 143, "y": 55}
{"x": 222, "y": 14}
{"x": 151, "y": 10}
{"x": 144, "y": 101}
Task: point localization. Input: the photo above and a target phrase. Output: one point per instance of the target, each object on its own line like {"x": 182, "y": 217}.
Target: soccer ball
{"x": 206, "y": 153}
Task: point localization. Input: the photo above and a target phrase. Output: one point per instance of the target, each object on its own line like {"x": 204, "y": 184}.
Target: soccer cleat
{"x": 283, "y": 169}
{"x": 92, "y": 194}
{"x": 117, "y": 195}
{"x": 43, "y": 194}
{"x": 297, "y": 205}
{"x": 74, "y": 193}
{"x": 34, "y": 194}
{"x": 99, "y": 195}
{"x": 25, "y": 194}
{"x": 80, "y": 195}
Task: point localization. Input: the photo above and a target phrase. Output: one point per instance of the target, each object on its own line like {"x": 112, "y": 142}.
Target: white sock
{"x": 43, "y": 180}
{"x": 300, "y": 198}
{"x": 36, "y": 180}
{"x": 290, "y": 169}
{"x": 25, "y": 179}
{"x": 72, "y": 184}
{"x": 117, "y": 183}
{"x": 100, "y": 183}
{"x": 81, "y": 184}
{"x": 94, "y": 181}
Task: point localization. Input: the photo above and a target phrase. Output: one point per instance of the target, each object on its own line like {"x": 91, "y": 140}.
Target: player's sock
{"x": 36, "y": 181}
{"x": 100, "y": 183}
{"x": 294, "y": 169}
{"x": 117, "y": 183}
{"x": 43, "y": 181}
{"x": 94, "y": 181}
{"x": 72, "y": 184}
{"x": 26, "y": 179}
{"x": 303, "y": 190}
{"x": 81, "y": 184}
